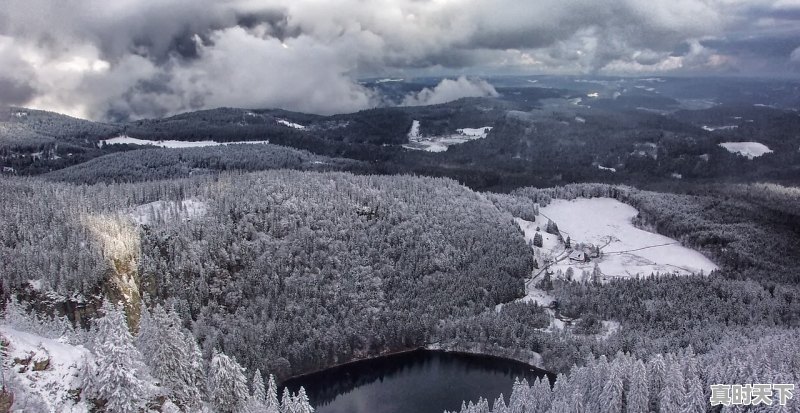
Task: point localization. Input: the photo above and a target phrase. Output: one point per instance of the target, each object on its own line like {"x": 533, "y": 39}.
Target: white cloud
{"x": 795, "y": 56}
{"x": 449, "y": 90}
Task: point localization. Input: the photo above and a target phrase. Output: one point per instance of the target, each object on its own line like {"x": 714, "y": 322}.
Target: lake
{"x": 420, "y": 381}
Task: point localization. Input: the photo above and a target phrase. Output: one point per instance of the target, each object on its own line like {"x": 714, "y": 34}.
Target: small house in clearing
{"x": 579, "y": 256}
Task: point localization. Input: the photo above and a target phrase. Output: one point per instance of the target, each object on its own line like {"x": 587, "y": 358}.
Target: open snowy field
{"x": 162, "y": 211}
{"x": 441, "y": 143}
{"x": 627, "y": 251}
{"x": 171, "y": 144}
{"x": 749, "y": 150}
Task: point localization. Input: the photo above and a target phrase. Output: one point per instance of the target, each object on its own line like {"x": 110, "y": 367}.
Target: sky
{"x": 131, "y": 59}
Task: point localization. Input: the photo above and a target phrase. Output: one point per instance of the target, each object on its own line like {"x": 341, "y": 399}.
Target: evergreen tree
{"x": 227, "y": 385}
{"x": 611, "y": 397}
{"x": 302, "y": 403}
{"x": 538, "y": 241}
{"x": 638, "y": 392}
{"x": 171, "y": 356}
{"x": 542, "y": 395}
{"x": 673, "y": 393}
{"x": 695, "y": 401}
{"x": 272, "y": 396}
{"x": 115, "y": 374}
{"x": 287, "y": 402}
{"x": 656, "y": 373}
{"x": 552, "y": 228}
{"x": 259, "y": 391}
{"x": 499, "y": 405}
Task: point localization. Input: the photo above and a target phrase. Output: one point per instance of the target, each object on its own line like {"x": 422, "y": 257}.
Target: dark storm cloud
{"x": 13, "y": 92}
{"x": 135, "y": 58}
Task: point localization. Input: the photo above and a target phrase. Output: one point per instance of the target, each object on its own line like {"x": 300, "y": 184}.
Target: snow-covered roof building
{"x": 578, "y": 256}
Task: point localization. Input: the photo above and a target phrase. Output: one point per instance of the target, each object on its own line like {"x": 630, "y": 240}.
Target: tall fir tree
{"x": 227, "y": 385}
{"x": 657, "y": 374}
{"x": 639, "y": 389}
{"x": 259, "y": 391}
{"x": 695, "y": 400}
{"x": 117, "y": 373}
{"x": 272, "y": 403}
{"x": 673, "y": 393}
{"x": 171, "y": 357}
{"x": 612, "y": 394}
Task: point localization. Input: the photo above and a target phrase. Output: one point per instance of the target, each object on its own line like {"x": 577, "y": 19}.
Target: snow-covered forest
{"x": 287, "y": 272}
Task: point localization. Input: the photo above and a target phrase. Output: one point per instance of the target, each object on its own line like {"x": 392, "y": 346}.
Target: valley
{"x": 587, "y": 227}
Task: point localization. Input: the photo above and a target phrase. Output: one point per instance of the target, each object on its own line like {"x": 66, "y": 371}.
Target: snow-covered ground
{"x": 627, "y": 251}
{"x": 170, "y": 143}
{"x": 749, "y": 150}
{"x": 291, "y": 124}
{"x": 723, "y": 127}
{"x": 441, "y": 143}
{"x": 162, "y": 211}
{"x": 43, "y": 372}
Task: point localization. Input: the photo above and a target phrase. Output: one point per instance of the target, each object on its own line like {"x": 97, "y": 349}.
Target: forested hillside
{"x": 155, "y": 164}
{"x": 288, "y": 271}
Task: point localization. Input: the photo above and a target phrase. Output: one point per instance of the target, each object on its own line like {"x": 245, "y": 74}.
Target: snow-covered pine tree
{"x": 115, "y": 374}
{"x": 302, "y": 403}
{"x": 639, "y": 389}
{"x": 273, "y": 406}
{"x": 672, "y": 395}
{"x": 227, "y": 385}
{"x": 611, "y": 396}
{"x": 170, "y": 356}
{"x": 537, "y": 240}
{"x": 259, "y": 391}
{"x": 542, "y": 395}
{"x": 287, "y": 402}
{"x": 499, "y": 405}
{"x": 519, "y": 392}
{"x": 695, "y": 401}
{"x": 656, "y": 373}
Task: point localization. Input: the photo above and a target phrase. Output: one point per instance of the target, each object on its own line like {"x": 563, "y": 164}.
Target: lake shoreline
{"x": 532, "y": 360}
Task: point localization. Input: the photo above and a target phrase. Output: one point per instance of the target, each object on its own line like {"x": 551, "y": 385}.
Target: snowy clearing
{"x": 171, "y": 144}
{"x": 291, "y": 124}
{"x": 43, "y": 371}
{"x": 441, "y": 143}
{"x": 749, "y": 150}
{"x": 606, "y": 223}
{"x": 723, "y": 127}
{"x": 163, "y": 211}
{"x": 477, "y": 133}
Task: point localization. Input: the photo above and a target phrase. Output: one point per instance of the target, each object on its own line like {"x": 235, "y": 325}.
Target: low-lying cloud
{"x": 449, "y": 90}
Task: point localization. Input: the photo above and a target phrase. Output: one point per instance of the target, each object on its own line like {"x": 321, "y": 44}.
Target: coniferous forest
{"x": 205, "y": 278}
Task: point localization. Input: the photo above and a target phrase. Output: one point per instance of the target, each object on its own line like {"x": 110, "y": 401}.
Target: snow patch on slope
{"x": 54, "y": 387}
{"x": 171, "y": 143}
{"x": 163, "y": 211}
{"x": 441, "y": 143}
{"x": 291, "y": 124}
{"x": 627, "y": 251}
{"x": 749, "y": 150}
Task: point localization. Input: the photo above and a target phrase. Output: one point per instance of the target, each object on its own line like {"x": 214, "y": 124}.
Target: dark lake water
{"x": 415, "y": 382}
